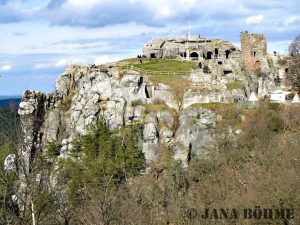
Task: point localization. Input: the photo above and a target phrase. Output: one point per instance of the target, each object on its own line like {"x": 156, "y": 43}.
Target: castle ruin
{"x": 190, "y": 48}
{"x": 253, "y": 49}
{"x": 197, "y": 48}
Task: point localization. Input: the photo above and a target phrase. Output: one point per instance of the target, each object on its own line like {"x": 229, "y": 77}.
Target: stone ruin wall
{"x": 253, "y": 49}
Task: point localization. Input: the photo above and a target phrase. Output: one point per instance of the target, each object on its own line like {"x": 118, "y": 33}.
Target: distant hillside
{"x": 8, "y": 103}
{"x": 3, "y": 97}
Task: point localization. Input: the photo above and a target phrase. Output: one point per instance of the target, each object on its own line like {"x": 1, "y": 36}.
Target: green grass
{"x": 173, "y": 70}
{"x": 167, "y": 65}
{"x": 165, "y": 79}
{"x": 159, "y": 70}
{"x": 154, "y": 107}
{"x": 130, "y": 61}
{"x": 212, "y": 105}
{"x": 234, "y": 85}
{"x": 157, "y": 105}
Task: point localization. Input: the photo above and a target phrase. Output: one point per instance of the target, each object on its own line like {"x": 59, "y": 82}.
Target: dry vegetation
{"x": 260, "y": 167}
{"x": 67, "y": 101}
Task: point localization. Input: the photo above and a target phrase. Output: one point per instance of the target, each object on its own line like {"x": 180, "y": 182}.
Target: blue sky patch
{"x": 39, "y": 38}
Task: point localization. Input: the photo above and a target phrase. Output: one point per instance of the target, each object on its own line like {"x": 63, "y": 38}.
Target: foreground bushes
{"x": 259, "y": 168}
{"x": 102, "y": 182}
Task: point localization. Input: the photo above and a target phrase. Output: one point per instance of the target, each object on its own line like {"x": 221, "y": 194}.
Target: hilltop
{"x": 161, "y": 91}
{"x": 147, "y": 138}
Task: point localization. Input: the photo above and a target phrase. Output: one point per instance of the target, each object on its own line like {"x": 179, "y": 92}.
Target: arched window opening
{"x": 257, "y": 64}
{"x": 194, "y": 56}
{"x": 209, "y": 55}
{"x": 216, "y": 53}
{"x": 227, "y": 53}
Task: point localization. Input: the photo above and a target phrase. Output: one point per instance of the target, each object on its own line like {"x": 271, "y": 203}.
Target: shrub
{"x": 206, "y": 69}
{"x": 282, "y": 61}
{"x": 157, "y": 105}
{"x": 67, "y": 101}
{"x": 110, "y": 156}
{"x": 136, "y": 102}
{"x": 158, "y": 101}
{"x": 52, "y": 149}
{"x": 275, "y": 121}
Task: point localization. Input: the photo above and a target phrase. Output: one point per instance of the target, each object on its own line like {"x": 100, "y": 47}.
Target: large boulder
{"x": 195, "y": 133}
{"x": 151, "y": 139}
{"x": 10, "y": 163}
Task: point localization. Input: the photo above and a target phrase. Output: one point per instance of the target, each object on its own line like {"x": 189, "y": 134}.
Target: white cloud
{"x": 82, "y": 3}
{"x": 65, "y": 62}
{"x": 60, "y": 63}
{"x": 105, "y": 59}
{"x": 257, "y": 19}
{"x": 5, "y": 68}
{"x": 68, "y": 61}
{"x": 67, "y": 40}
{"x": 42, "y": 65}
{"x": 166, "y": 9}
{"x": 290, "y": 20}
{"x": 163, "y": 12}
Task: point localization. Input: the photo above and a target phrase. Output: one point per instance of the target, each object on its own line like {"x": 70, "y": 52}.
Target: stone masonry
{"x": 253, "y": 49}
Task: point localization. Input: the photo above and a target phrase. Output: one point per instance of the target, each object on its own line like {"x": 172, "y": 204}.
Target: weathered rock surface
{"x": 151, "y": 138}
{"x": 195, "y": 134}
{"x": 84, "y": 94}
{"x": 10, "y": 163}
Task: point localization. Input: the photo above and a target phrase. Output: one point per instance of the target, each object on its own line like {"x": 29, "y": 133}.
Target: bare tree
{"x": 294, "y": 64}
{"x": 178, "y": 88}
{"x": 294, "y": 47}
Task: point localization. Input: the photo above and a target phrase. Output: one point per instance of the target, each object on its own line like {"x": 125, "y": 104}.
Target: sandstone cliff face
{"x": 84, "y": 94}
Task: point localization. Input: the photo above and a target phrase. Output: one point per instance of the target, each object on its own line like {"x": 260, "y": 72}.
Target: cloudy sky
{"x": 38, "y": 38}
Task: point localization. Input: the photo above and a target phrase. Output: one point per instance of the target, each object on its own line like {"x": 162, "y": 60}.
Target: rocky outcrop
{"x": 84, "y": 94}
{"x": 32, "y": 110}
{"x": 151, "y": 138}
{"x": 10, "y": 163}
{"x": 195, "y": 134}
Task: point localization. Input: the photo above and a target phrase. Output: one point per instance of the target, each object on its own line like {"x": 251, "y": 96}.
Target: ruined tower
{"x": 253, "y": 49}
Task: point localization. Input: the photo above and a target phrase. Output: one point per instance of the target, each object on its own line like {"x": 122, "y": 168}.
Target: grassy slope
{"x": 167, "y": 65}
{"x": 234, "y": 85}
